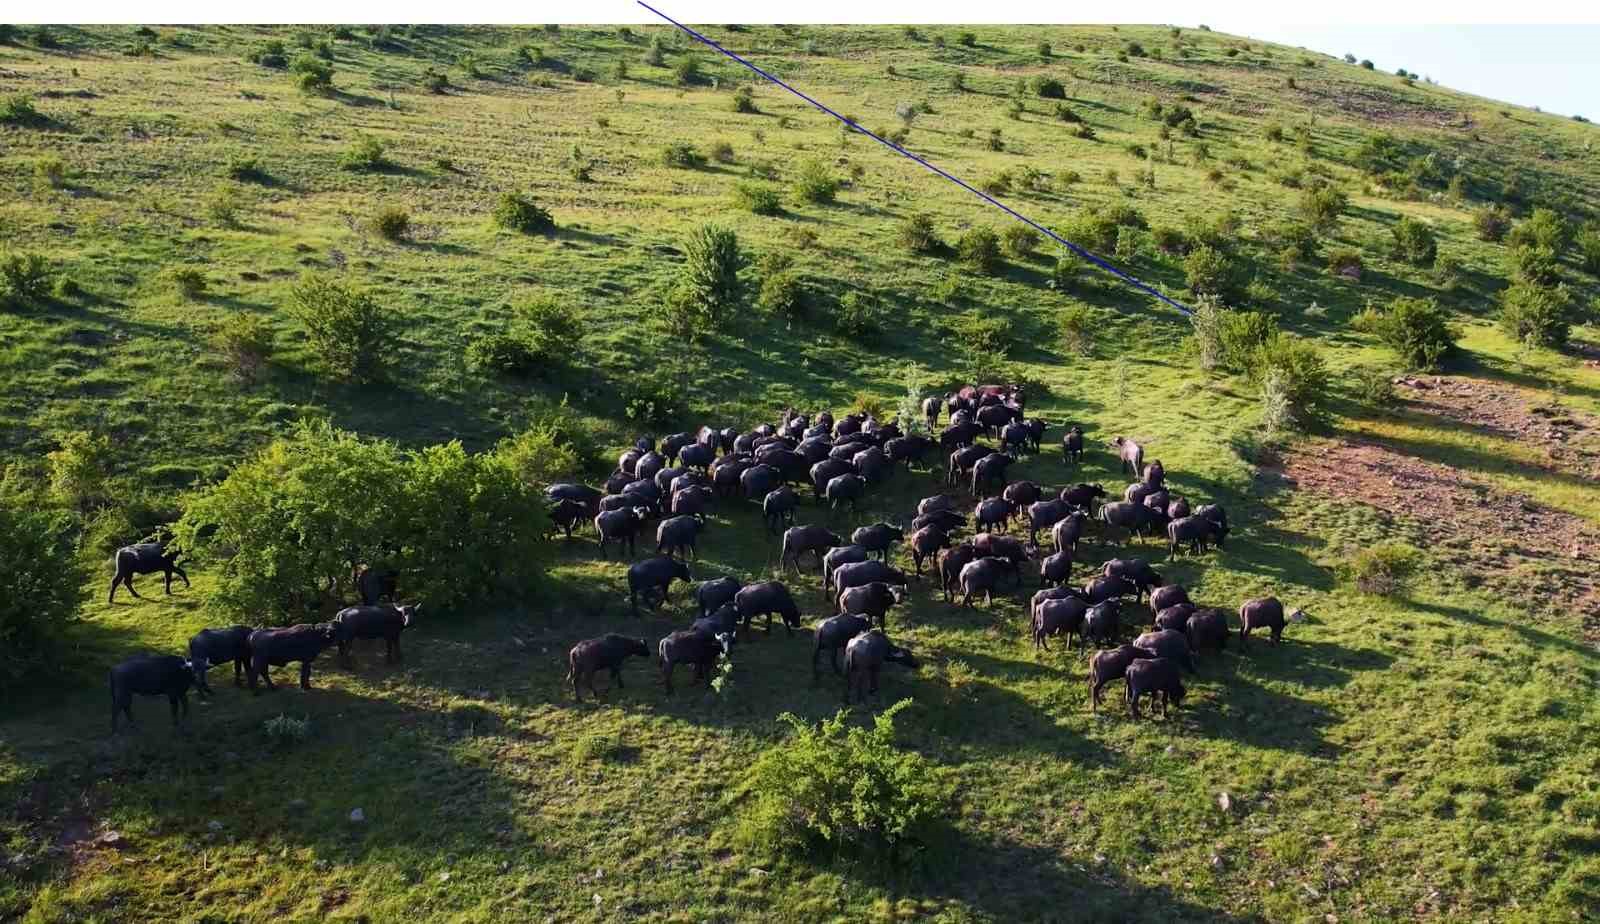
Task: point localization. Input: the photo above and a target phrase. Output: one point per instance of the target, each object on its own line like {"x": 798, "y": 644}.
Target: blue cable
{"x": 1097, "y": 261}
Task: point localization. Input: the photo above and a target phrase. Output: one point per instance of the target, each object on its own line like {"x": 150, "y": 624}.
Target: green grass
{"x": 1425, "y": 756}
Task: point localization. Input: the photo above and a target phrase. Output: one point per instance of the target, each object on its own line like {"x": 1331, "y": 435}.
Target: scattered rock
{"x": 214, "y": 825}
{"x": 357, "y": 816}
{"x": 113, "y": 840}
{"x": 596, "y": 899}
{"x": 1225, "y": 802}
{"x": 758, "y": 871}
{"x": 444, "y": 876}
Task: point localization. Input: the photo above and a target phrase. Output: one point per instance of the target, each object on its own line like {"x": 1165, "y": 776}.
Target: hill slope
{"x": 1428, "y": 754}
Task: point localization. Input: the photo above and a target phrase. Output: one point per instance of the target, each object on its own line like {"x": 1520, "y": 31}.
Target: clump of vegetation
{"x": 246, "y": 169}
{"x": 744, "y": 100}
{"x": 1540, "y": 315}
{"x": 50, "y": 172}
{"x": 979, "y": 250}
{"x": 682, "y": 154}
{"x": 814, "y": 182}
{"x": 859, "y": 316}
{"x": 1078, "y": 331}
{"x": 722, "y": 152}
{"x": 710, "y": 273}
{"x": 1346, "y": 263}
{"x": 1414, "y": 242}
{"x": 24, "y": 279}
{"x": 1049, "y": 88}
{"x": 508, "y": 353}
{"x": 284, "y": 731}
{"x": 270, "y": 53}
{"x": 189, "y": 281}
{"x": 42, "y": 584}
{"x": 1382, "y": 570}
{"x": 312, "y": 74}
{"x": 1209, "y": 271}
{"x": 1321, "y": 207}
{"x": 1544, "y": 228}
{"x": 686, "y": 70}
{"x": 1020, "y": 240}
{"x": 366, "y": 156}
{"x": 78, "y": 468}
{"x": 1416, "y": 329}
{"x": 782, "y": 294}
{"x": 917, "y": 234}
{"x": 350, "y": 332}
{"x": 392, "y": 223}
{"x": 1492, "y": 222}
{"x": 1374, "y": 386}
{"x": 245, "y": 342}
{"x": 1293, "y": 377}
{"x": 844, "y": 787}
{"x": 519, "y": 213}
{"x": 758, "y": 198}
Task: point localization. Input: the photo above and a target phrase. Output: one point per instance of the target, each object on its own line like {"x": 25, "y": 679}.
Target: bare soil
{"x": 1570, "y": 439}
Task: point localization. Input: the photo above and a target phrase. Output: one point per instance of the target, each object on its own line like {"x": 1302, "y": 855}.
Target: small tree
{"x": 1209, "y": 271}
{"x": 1020, "y": 240}
{"x": 979, "y": 250}
{"x": 1492, "y": 222}
{"x": 349, "y": 331}
{"x": 78, "y": 469}
{"x": 711, "y": 270}
{"x": 1537, "y": 314}
{"x": 1321, "y": 207}
{"x": 1414, "y": 242}
{"x": 1588, "y": 243}
{"x": 24, "y": 279}
{"x": 1206, "y": 323}
{"x": 1544, "y": 228}
{"x": 519, "y": 213}
{"x": 366, "y": 155}
{"x": 1078, "y": 331}
{"x": 1416, "y": 329}
{"x": 312, "y": 74}
{"x": 392, "y": 223}
{"x": 245, "y": 342}
{"x": 917, "y": 234}
{"x": 41, "y": 586}
{"x": 815, "y": 183}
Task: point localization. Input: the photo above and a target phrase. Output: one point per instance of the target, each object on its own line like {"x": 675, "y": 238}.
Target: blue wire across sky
{"x": 1086, "y": 255}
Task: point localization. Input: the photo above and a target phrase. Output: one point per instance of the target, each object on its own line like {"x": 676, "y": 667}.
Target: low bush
{"x": 1492, "y": 222}
{"x": 245, "y": 342}
{"x": 1297, "y": 374}
{"x": 859, "y": 316}
{"x": 366, "y": 155}
{"x": 1209, "y": 271}
{"x": 556, "y": 447}
{"x": 1534, "y": 264}
{"x": 815, "y": 183}
{"x": 1346, "y": 263}
{"x": 1416, "y": 329}
{"x": 967, "y": 40}
{"x": 1064, "y": 113}
{"x": 916, "y": 234}
{"x": 1067, "y": 273}
{"x": 392, "y": 223}
{"x": 1374, "y": 386}
{"x": 270, "y": 53}
{"x": 1322, "y": 207}
{"x": 682, "y": 154}
{"x": 1588, "y": 244}
{"x": 312, "y": 74}
{"x": 844, "y": 787}
{"x": 1544, "y": 228}
{"x": 686, "y": 70}
{"x": 50, "y": 172}
{"x": 223, "y": 206}
{"x": 246, "y": 170}
{"x": 79, "y": 468}
{"x": 284, "y": 731}
{"x": 1078, "y": 330}
{"x": 1049, "y": 88}
{"x": 744, "y": 100}
{"x": 24, "y": 279}
{"x": 1240, "y": 334}
{"x": 989, "y": 334}
{"x": 41, "y": 586}
{"x": 1414, "y": 242}
{"x": 996, "y": 142}
{"x": 519, "y": 213}
{"x": 510, "y": 354}
{"x": 710, "y": 272}
{"x": 979, "y": 250}
{"x": 758, "y": 198}
{"x": 189, "y": 281}
{"x": 1382, "y": 570}
{"x": 18, "y": 110}
{"x": 349, "y": 331}
{"x": 1537, "y": 314}
{"x": 722, "y": 152}
{"x": 1020, "y": 240}
{"x": 782, "y": 295}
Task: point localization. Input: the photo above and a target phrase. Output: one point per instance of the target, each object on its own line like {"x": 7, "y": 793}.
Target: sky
{"x": 1556, "y": 68}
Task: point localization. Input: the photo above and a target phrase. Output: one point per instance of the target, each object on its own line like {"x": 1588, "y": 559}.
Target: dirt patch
{"x": 1569, "y": 439}
{"x": 1501, "y": 540}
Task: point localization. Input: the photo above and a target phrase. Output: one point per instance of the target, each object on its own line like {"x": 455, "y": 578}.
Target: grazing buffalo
{"x": 724, "y": 619}
{"x": 1214, "y": 513}
{"x": 832, "y": 634}
{"x": 1046, "y": 514}
{"x": 910, "y": 449}
{"x": 1011, "y": 550}
{"x": 963, "y": 460}
{"x": 1014, "y": 438}
{"x": 1067, "y": 532}
{"x": 385, "y": 621}
{"x": 1155, "y": 474}
{"x": 565, "y": 516}
{"x": 1158, "y": 677}
{"x": 687, "y": 646}
{"x": 1136, "y": 518}
{"x": 604, "y": 653}
{"x": 582, "y": 493}
{"x": 697, "y": 455}
{"x": 1055, "y": 569}
{"x": 651, "y": 575}
{"x": 992, "y": 417}
{"x": 1262, "y": 613}
{"x": 672, "y": 443}
{"x": 798, "y": 540}
{"x": 825, "y": 471}
{"x": 1196, "y": 532}
{"x": 1106, "y": 666}
{"x": 935, "y": 503}
{"x": 651, "y": 462}
{"x": 930, "y": 411}
{"x": 210, "y": 647}
{"x": 1062, "y": 616}
{"x": 271, "y": 648}
{"x": 926, "y": 543}
{"x": 1036, "y": 429}
{"x": 959, "y": 435}
{"x": 1208, "y": 628}
{"x": 374, "y": 585}
{"x": 1101, "y": 588}
{"x": 1052, "y": 593}
{"x": 726, "y": 478}
{"x": 151, "y": 675}
{"x": 877, "y": 538}
{"x": 1131, "y": 454}
{"x": 815, "y": 449}
{"x": 993, "y": 513}
{"x": 766, "y": 599}
{"x": 145, "y": 558}
{"x": 874, "y": 600}
{"x": 846, "y": 488}
{"x": 1103, "y": 623}
{"x": 615, "y": 482}
{"x": 1072, "y": 445}
{"x": 760, "y": 479}
{"x": 857, "y": 573}
{"x": 1167, "y": 595}
{"x": 1084, "y": 496}
{"x": 947, "y": 520}
{"x": 1136, "y": 570}
{"x": 872, "y": 464}
{"x": 710, "y": 595}
{"x": 1177, "y": 509}
{"x": 951, "y": 563}
{"x": 864, "y": 655}
{"x": 692, "y": 501}
{"x": 620, "y": 526}
{"x": 1022, "y": 493}
{"x": 983, "y": 576}
{"x": 678, "y": 535}
{"x": 989, "y": 469}
{"x": 1175, "y": 617}
{"x": 841, "y": 555}
{"x": 1165, "y": 643}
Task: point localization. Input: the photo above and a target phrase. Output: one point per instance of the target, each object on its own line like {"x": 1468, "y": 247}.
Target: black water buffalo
{"x": 930, "y": 411}
{"x": 1177, "y": 509}
{"x": 992, "y": 417}
{"x": 1055, "y": 569}
{"x": 724, "y": 619}
{"x": 1068, "y": 531}
{"x": 959, "y": 435}
{"x": 1022, "y": 493}
{"x": 664, "y": 478}
{"x": 1101, "y": 588}
{"x": 1011, "y": 550}
{"x": 864, "y": 655}
{"x": 791, "y": 464}
{"x": 832, "y": 634}
{"x": 910, "y": 449}
{"x": 963, "y": 459}
{"x": 990, "y": 468}
{"x": 1214, "y": 513}
{"x": 628, "y": 462}
{"x": 564, "y": 516}
{"x": 1036, "y": 429}
{"x": 872, "y": 464}
{"x": 1158, "y": 500}
{"x": 727, "y": 478}
{"x": 935, "y": 503}
{"x": 1167, "y": 595}
{"x": 983, "y": 576}
{"x": 1052, "y": 593}
{"x": 1014, "y": 438}
{"x": 582, "y": 493}
{"x": 857, "y": 573}
{"x": 874, "y": 600}
{"x": 1208, "y": 628}
{"x": 647, "y": 466}
{"x": 926, "y": 543}
{"x": 1072, "y": 445}
{"x": 616, "y": 481}
{"x": 760, "y": 479}
{"x": 653, "y": 574}
{"x": 620, "y": 526}
{"x": 1260, "y": 613}
{"x": 1159, "y": 678}
{"x": 271, "y": 648}
{"x": 710, "y": 595}
{"x": 678, "y": 535}
{"x": 1083, "y": 495}
{"x": 845, "y": 450}
{"x": 144, "y": 558}
{"x": 947, "y": 520}
{"x": 1155, "y": 474}
{"x": 1174, "y": 617}
{"x": 687, "y": 646}
{"x": 1196, "y": 532}
{"x": 766, "y": 599}
{"x": 1167, "y": 643}
{"x": 825, "y": 471}
{"x": 672, "y": 443}
{"x": 384, "y": 621}
{"x": 211, "y": 647}
{"x": 798, "y": 540}
{"x": 1134, "y": 517}
{"x": 604, "y": 653}
{"x": 993, "y": 513}
{"x": 1063, "y": 615}
{"x": 692, "y": 501}
{"x": 841, "y": 555}
{"x": 1106, "y": 666}
{"x": 697, "y": 455}
{"x": 1046, "y": 514}
{"x": 1103, "y": 623}
{"x": 151, "y": 675}
{"x": 1136, "y": 570}
{"x": 1131, "y": 454}
{"x": 878, "y": 538}
{"x": 951, "y": 561}
{"x": 1137, "y": 492}
{"x": 846, "y": 488}
{"x": 815, "y": 449}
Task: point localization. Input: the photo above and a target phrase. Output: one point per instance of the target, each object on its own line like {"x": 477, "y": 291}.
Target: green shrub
{"x": 917, "y": 234}
{"x": 1382, "y": 570}
{"x": 1297, "y": 373}
{"x": 78, "y": 469}
{"x": 1093, "y": 230}
{"x": 554, "y": 448}
{"x": 50, "y": 172}
{"x": 285, "y": 731}
{"x": 1044, "y": 49}
{"x": 722, "y": 152}
{"x": 349, "y": 331}
{"x": 24, "y": 279}
{"x": 1209, "y": 271}
{"x": 682, "y": 154}
{"x": 1492, "y": 222}
{"x": 758, "y": 198}
{"x": 1537, "y": 314}
{"x": 686, "y": 71}
{"x": 245, "y": 342}
{"x": 1297, "y": 237}
{"x": 1078, "y": 330}
{"x": 996, "y": 143}
{"x": 1240, "y": 334}
{"x": 845, "y": 787}
{"x": 41, "y": 586}
{"x": 1414, "y": 242}
{"x": 246, "y": 170}
{"x": 1374, "y": 386}
{"x": 435, "y": 81}
{"x": 1588, "y": 243}
{"x": 988, "y": 334}
{"x": 710, "y": 272}
{"x": 1346, "y": 263}
{"x": 979, "y": 250}
{"x": 392, "y": 223}
{"x": 507, "y": 354}
{"x": 189, "y": 281}
{"x": 18, "y": 110}
{"x": 783, "y": 295}
{"x": 1064, "y": 113}
{"x": 1066, "y": 275}
{"x": 312, "y": 74}
{"x": 958, "y": 81}
{"x": 223, "y": 205}
{"x": 64, "y": 287}
{"x": 1544, "y": 228}
{"x": 1321, "y": 207}
{"x": 1534, "y": 264}
{"x": 1049, "y": 88}
{"x": 744, "y": 100}
{"x": 270, "y": 53}
{"x": 366, "y": 155}
{"x": 1416, "y": 329}
{"x": 859, "y": 316}
{"x": 1020, "y": 240}
{"x": 519, "y": 213}
{"x": 815, "y": 183}
{"x": 967, "y": 40}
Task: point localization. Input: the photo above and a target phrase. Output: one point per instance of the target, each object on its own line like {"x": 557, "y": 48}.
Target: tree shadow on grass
{"x": 1535, "y": 637}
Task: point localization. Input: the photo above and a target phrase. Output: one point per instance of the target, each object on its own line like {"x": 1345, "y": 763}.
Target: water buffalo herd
{"x": 675, "y": 481}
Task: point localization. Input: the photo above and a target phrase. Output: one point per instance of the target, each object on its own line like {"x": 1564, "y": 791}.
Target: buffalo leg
{"x": 179, "y": 572}
{"x": 305, "y": 675}
{"x": 616, "y": 676}
{"x": 576, "y": 677}
{"x": 666, "y": 675}
{"x": 115, "y": 580}
{"x": 127, "y": 581}
{"x": 238, "y": 671}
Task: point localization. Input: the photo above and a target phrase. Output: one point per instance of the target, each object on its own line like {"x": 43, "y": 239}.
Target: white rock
{"x": 1225, "y": 802}
{"x": 358, "y": 816}
{"x": 444, "y": 877}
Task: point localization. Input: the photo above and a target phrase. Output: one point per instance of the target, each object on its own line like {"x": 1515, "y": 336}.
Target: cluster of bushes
{"x": 1416, "y": 329}
{"x": 1538, "y": 308}
{"x": 460, "y": 527}
{"x": 1290, "y": 371}
{"x": 245, "y": 342}
{"x": 1414, "y": 242}
{"x": 24, "y": 279}
{"x": 542, "y": 332}
{"x": 40, "y": 586}
{"x": 352, "y": 335}
{"x": 517, "y": 212}
{"x": 366, "y": 156}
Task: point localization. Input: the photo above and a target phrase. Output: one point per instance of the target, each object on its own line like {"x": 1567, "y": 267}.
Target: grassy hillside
{"x": 1424, "y": 755}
